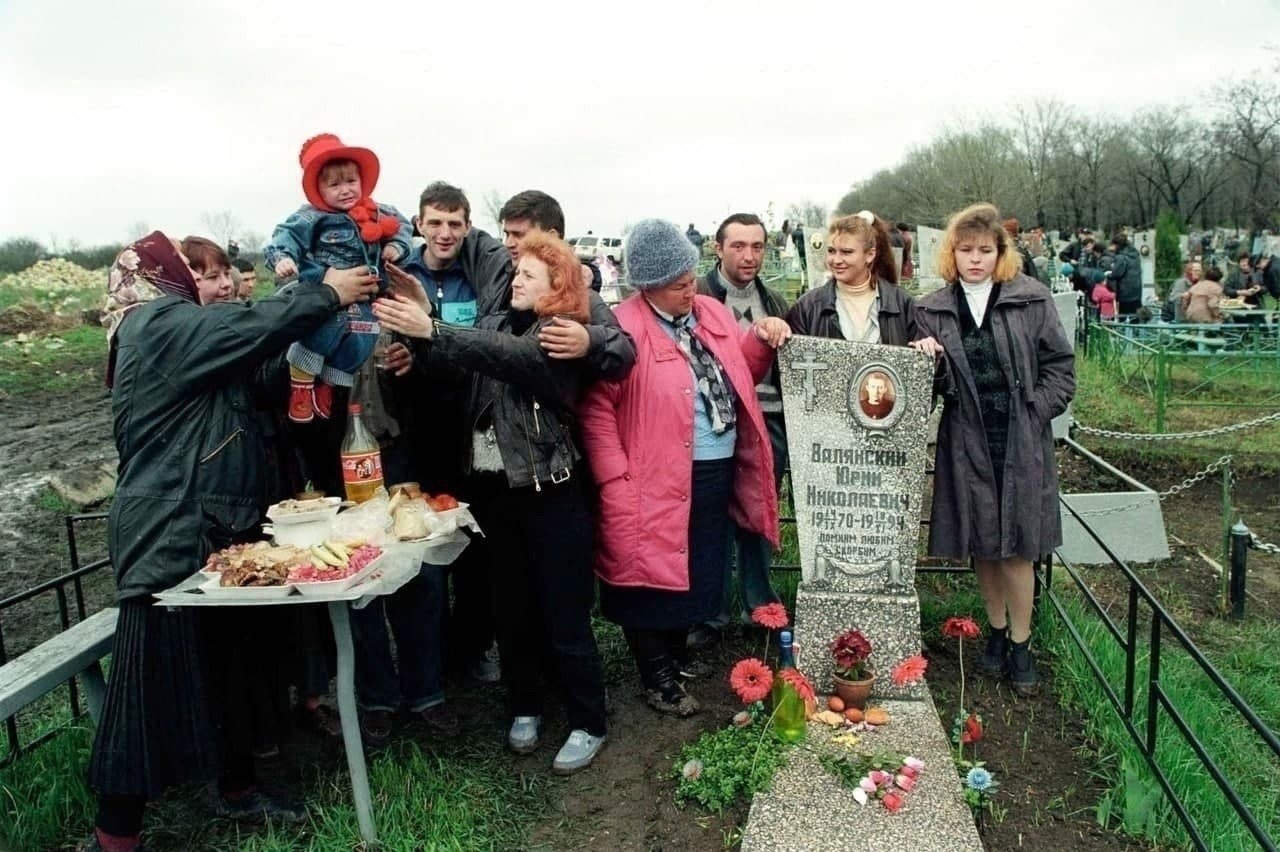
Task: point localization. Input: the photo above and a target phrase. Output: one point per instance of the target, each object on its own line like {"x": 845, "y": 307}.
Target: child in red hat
{"x": 342, "y": 227}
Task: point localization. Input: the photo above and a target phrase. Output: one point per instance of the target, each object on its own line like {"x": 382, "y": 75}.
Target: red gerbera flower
{"x": 909, "y": 671}
{"x": 961, "y": 627}
{"x": 751, "y": 679}
{"x": 972, "y": 730}
{"x": 799, "y": 683}
{"x": 772, "y": 616}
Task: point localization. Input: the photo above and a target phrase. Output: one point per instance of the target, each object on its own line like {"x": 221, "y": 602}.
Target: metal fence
{"x": 1147, "y": 633}
{"x": 1234, "y": 365}
{"x": 68, "y": 590}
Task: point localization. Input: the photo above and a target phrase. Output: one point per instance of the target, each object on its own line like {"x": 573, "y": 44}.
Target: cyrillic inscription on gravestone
{"x": 857, "y": 419}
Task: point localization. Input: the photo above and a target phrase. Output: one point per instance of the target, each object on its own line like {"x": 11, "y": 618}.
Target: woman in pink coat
{"x": 679, "y": 449}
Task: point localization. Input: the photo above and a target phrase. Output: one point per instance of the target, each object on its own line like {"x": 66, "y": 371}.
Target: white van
{"x": 590, "y": 247}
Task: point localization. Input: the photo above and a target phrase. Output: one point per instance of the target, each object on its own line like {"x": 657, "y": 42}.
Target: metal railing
{"x": 1176, "y": 365}
{"x": 1163, "y": 633}
{"x": 68, "y": 590}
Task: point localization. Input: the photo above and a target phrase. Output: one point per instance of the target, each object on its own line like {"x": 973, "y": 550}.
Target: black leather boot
{"x": 665, "y": 694}
{"x": 994, "y": 659}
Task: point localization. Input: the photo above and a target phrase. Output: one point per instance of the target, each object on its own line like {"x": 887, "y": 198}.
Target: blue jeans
{"x": 755, "y": 553}
{"x": 342, "y": 343}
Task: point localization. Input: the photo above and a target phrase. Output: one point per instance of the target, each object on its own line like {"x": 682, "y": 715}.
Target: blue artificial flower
{"x": 978, "y": 779}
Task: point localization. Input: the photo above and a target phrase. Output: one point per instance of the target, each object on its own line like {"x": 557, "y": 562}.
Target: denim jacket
{"x": 318, "y": 238}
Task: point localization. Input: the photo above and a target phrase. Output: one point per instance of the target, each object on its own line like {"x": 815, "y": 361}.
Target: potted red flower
{"x": 853, "y": 677}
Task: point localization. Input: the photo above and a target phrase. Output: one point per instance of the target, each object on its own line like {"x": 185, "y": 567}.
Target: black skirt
{"x": 661, "y": 609}
{"x": 156, "y": 729}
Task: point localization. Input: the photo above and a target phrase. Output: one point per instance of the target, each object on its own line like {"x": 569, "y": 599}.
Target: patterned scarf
{"x": 715, "y": 390}
{"x": 146, "y": 270}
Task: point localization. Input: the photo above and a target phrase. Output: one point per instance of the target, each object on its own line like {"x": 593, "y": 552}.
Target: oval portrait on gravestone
{"x": 873, "y": 396}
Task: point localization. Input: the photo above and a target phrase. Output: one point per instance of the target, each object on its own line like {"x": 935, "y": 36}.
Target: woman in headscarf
{"x": 189, "y": 478}
{"x": 678, "y": 448}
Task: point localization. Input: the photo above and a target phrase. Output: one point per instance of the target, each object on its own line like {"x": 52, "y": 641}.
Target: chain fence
{"x": 1177, "y": 436}
{"x": 1223, "y": 462}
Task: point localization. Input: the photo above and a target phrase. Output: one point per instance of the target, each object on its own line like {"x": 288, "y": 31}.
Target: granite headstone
{"x": 857, "y": 418}
{"x": 928, "y": 241}
{"x": 815, "y": 248}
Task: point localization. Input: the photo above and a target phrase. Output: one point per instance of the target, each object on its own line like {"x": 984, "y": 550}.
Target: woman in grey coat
{"x": 1005, "y": 370}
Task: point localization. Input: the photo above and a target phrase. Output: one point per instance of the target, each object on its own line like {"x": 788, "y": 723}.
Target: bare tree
{"x": 1040, "y": 134}
{"x": 251, "y": 242}
{"x": 1249, "y": 136}
{"x": 493, "y": 201}
{"x": 223, "y": 225}
{"x": 809, "y": 212}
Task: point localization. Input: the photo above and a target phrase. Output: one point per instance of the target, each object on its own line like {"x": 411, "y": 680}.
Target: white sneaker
{"x": 523, "y": 736}
{"x": 577, "y": 752}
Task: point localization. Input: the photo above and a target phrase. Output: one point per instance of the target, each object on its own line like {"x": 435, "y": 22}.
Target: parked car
{"x": 590, "y": 247}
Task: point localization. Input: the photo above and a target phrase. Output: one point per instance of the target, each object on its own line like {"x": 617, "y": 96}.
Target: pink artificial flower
{"x": 879, "y": 777}
{"x": 867, "y": 785}
{"x": 908, "y": 771}
{"x": 892, "y": 802}
{"x": 799, "y": 683}
{"x": 741, "y": 719}
{"x": 961, "y": 627}
{"x": 751, "y": 679}
{"x": 909, "y": 671}
{"x": 904, "y": 782}
{"x": 914, "y": 762}
{"x": 771, "y": 616}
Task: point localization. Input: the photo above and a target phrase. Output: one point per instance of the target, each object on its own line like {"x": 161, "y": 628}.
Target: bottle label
{"x": 359, "y": 468}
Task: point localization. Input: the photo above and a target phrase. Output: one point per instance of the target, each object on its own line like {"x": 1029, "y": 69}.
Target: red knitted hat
{"x": 320, "y": 150}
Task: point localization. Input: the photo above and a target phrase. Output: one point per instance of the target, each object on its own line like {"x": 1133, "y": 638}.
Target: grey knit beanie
{"x": 657, "y": 253}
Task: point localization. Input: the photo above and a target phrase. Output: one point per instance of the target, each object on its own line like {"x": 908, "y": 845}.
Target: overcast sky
{"x": 164, "y": 111}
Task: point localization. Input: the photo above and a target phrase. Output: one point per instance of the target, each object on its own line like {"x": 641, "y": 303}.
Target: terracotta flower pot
{"x": 854, "y": 693}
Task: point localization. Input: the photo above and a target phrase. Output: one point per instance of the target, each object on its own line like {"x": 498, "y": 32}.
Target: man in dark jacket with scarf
{"x": 735, "y": 281}
{"x": 1126, "y": 275}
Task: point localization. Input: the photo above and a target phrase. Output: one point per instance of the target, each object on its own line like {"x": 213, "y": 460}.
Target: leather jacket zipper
{"x": 537, "y": 427}
{"x": 223, "y": 445}
{"x": 533, "y": 467}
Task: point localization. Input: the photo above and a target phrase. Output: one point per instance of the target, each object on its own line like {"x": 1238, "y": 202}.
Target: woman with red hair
{"x": 528, "y": 488}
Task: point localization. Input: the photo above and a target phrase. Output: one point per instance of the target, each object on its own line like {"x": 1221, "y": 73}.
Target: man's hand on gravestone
{"x": 928, "y": 346}
{"x": 773, "y": 331}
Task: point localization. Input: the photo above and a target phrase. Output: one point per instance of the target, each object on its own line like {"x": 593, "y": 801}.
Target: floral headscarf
{"x": 146, "y": 270}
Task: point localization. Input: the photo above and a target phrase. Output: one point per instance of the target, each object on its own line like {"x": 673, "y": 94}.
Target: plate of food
{"x": 250, "y": 581}
{"x": 335, "y": 566}
{"x": 288, "y": 512}
{"x": 254, "y": 553}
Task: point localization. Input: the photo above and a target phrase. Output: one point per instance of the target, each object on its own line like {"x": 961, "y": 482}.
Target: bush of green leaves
{"x": 730, "y": 763}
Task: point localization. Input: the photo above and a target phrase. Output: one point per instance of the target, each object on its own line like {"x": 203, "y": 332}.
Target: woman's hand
{"x": 404, "y": 316}
{"x": 773, "y": 331}
{"x": 357, "y": 284}
{"x": 928, "y": 346}
{"x": 401, "y": 283}
{"x": 564, "y": 338}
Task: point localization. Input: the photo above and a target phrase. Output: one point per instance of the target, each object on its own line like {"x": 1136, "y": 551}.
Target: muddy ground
{"x": 625, "y": 802}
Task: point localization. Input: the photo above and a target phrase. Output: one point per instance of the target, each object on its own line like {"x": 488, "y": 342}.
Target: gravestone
{"x": 815, "y": 253}
{"x": 928, "y": 241}
{"x": 1068, "y": 305}
{"x": 857, "y": 419}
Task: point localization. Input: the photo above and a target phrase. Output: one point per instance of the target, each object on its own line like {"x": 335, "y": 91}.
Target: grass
{"x": 1244, "y": 654}
{"x": 1104, "y": 399}
{"x": 61, "y": 361}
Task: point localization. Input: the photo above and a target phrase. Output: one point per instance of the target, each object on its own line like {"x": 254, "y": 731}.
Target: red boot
{"x": 301, "y": 407}
{"x": 322, "y": 399}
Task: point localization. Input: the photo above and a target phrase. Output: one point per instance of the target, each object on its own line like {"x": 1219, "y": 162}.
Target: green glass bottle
{"x": 788, "y": 706}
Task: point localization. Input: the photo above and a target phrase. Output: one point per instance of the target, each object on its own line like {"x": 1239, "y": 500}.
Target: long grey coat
{"x": 1039, "y": 365}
